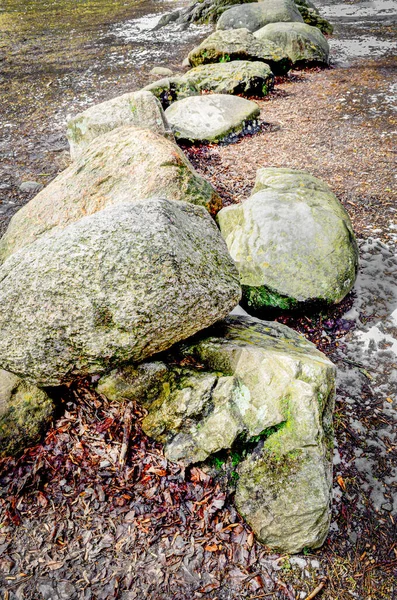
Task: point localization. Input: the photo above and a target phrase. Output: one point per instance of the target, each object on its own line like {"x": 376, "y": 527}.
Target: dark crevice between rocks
{"x": 223, "y": 464}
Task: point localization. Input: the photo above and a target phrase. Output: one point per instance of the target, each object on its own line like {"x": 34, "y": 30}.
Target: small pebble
{"x": 30, "y": 187}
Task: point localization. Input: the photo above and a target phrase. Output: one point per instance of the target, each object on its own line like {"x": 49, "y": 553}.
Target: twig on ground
{"x": 126, "y": 435}
{"x": 316, "y": 591}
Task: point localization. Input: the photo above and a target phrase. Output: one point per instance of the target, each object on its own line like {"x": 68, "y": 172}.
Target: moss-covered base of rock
{"x": 25, "y": 411}
{"x": 311, "y": 16}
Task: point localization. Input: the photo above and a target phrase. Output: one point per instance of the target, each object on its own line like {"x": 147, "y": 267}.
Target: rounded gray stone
{"x": 258, "y": 14}
{"x": 303, "y": 43}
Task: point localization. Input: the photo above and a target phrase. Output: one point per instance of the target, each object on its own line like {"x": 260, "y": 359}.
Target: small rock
{"x": 387, "y": 506}
{"x": 30, "y": 187}
{"x": 66, "y": 590}
{"x": 163, "y": 71}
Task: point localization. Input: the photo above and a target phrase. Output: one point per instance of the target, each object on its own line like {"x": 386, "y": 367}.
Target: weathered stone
{"x": 265, "y": 387}
{"x": 119, "y": 285}
{"x": 211, "y": 118}
{"x": 311, "y": 16}
{"x": 286, "y": 498}
{"x": 258, "y": 14}
{"x": 201, "y": 11}
{"x": 30, "y": 187}
{"x": 239, "y": 44}
{"x": 303, "y": 43}
{"x": 170, "y": 89}
{"x": 139, "y": 109}
{"x": 125, "y": 165}
{"x": 162, "y": 71}
{"x": 24, "y": 412}
{"x": 236, "y": 360}
{"x": 236, "y": 77}
{"x": 292, "y": 242}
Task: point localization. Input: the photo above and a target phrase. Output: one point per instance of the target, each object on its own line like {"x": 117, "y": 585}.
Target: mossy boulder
{"x": 258, "y": 14}
{"x": 212, "y": 117}
{"x": 25, "y": 411}
{"x": 223, "y": 375}
{"x": 260, "y": 386}
{"x": 304, "y": 44}
{"x": 311, "y": 16}
{"x": 122, "y": 284}
{"x": 124, "y": 165}
{"x": 139, "y": 109}
{"x": 170, "y": 89}
{"x": 239, "y": 44}
{"x": 199, "y": 12}
{"x": 292, "y": 242}
{"x": 236, "y": 77}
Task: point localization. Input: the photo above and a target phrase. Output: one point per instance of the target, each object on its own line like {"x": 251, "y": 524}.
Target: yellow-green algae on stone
{"x": 25, "y": 410}
{"x": 237, "y": 380}
{"x": 239, "y": 44}
{"x": 249, "y": 78}
{"x": 292, "y": 242}
{"x": 138, "y": 109}
{"x": 126, "y": 165}
{"x": 122, "y": 284}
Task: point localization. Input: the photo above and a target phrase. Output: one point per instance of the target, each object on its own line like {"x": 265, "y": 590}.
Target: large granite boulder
{"x": 311, "y": 16}
{"x": 236, "y": 77}
{"x": 258, "y": 14}
{"x": 198, "y": 11}
{"x": 124, "y": 165}
{"x": 292, "y": 242}
{"x": 211, "y": 118}
{"x": 304, "y": 44}
{"x": 119, "y": 285}
{"x": 170, "y": 89}
{"x": 261, "y": 390}
{"x": 239, "y": 44}
{"x": 140, "y": 109}
{"x": 25, "y": 411}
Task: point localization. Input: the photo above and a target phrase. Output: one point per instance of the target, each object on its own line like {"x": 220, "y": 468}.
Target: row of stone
{"x": 118, "y": 259}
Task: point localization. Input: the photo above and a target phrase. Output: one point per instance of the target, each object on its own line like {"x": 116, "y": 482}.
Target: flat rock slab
{"x": 239, "y": 44}
{"x": 124, "y": 165}
{"x": 211, "y": 118}
{"x": 258, "y": 14}
{"x": 119, "y": 285}
{"x": 139, "y": 109}
{"x": 292, "y": 242}
{"x": 235, "y": 77}
{"x": 303, "y": 43}
{"x": 263, "y": 386}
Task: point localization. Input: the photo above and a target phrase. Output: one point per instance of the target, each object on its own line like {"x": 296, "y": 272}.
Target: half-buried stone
{"x": 239, "y": 44}
{"x": 304, "y": 44}
{"x": 119, "y": 285}
{"x": 140, "y": 109}
{"x": 124, "y": 165}
{"x": 247, "y": 380}
{"x": 25, "y": 411}
{"x": 292, "y": 242}
{"x": 212, "y": 118}
{"x": 258, "y": 14}
{"x": 236, "y": 77}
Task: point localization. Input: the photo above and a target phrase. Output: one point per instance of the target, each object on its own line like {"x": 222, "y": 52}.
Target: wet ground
{"x": 59, "y": 57}
{"x": 77, "y": 529}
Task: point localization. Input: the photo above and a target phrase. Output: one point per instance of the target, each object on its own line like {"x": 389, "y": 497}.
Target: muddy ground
{"x": 78, "y": 524}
